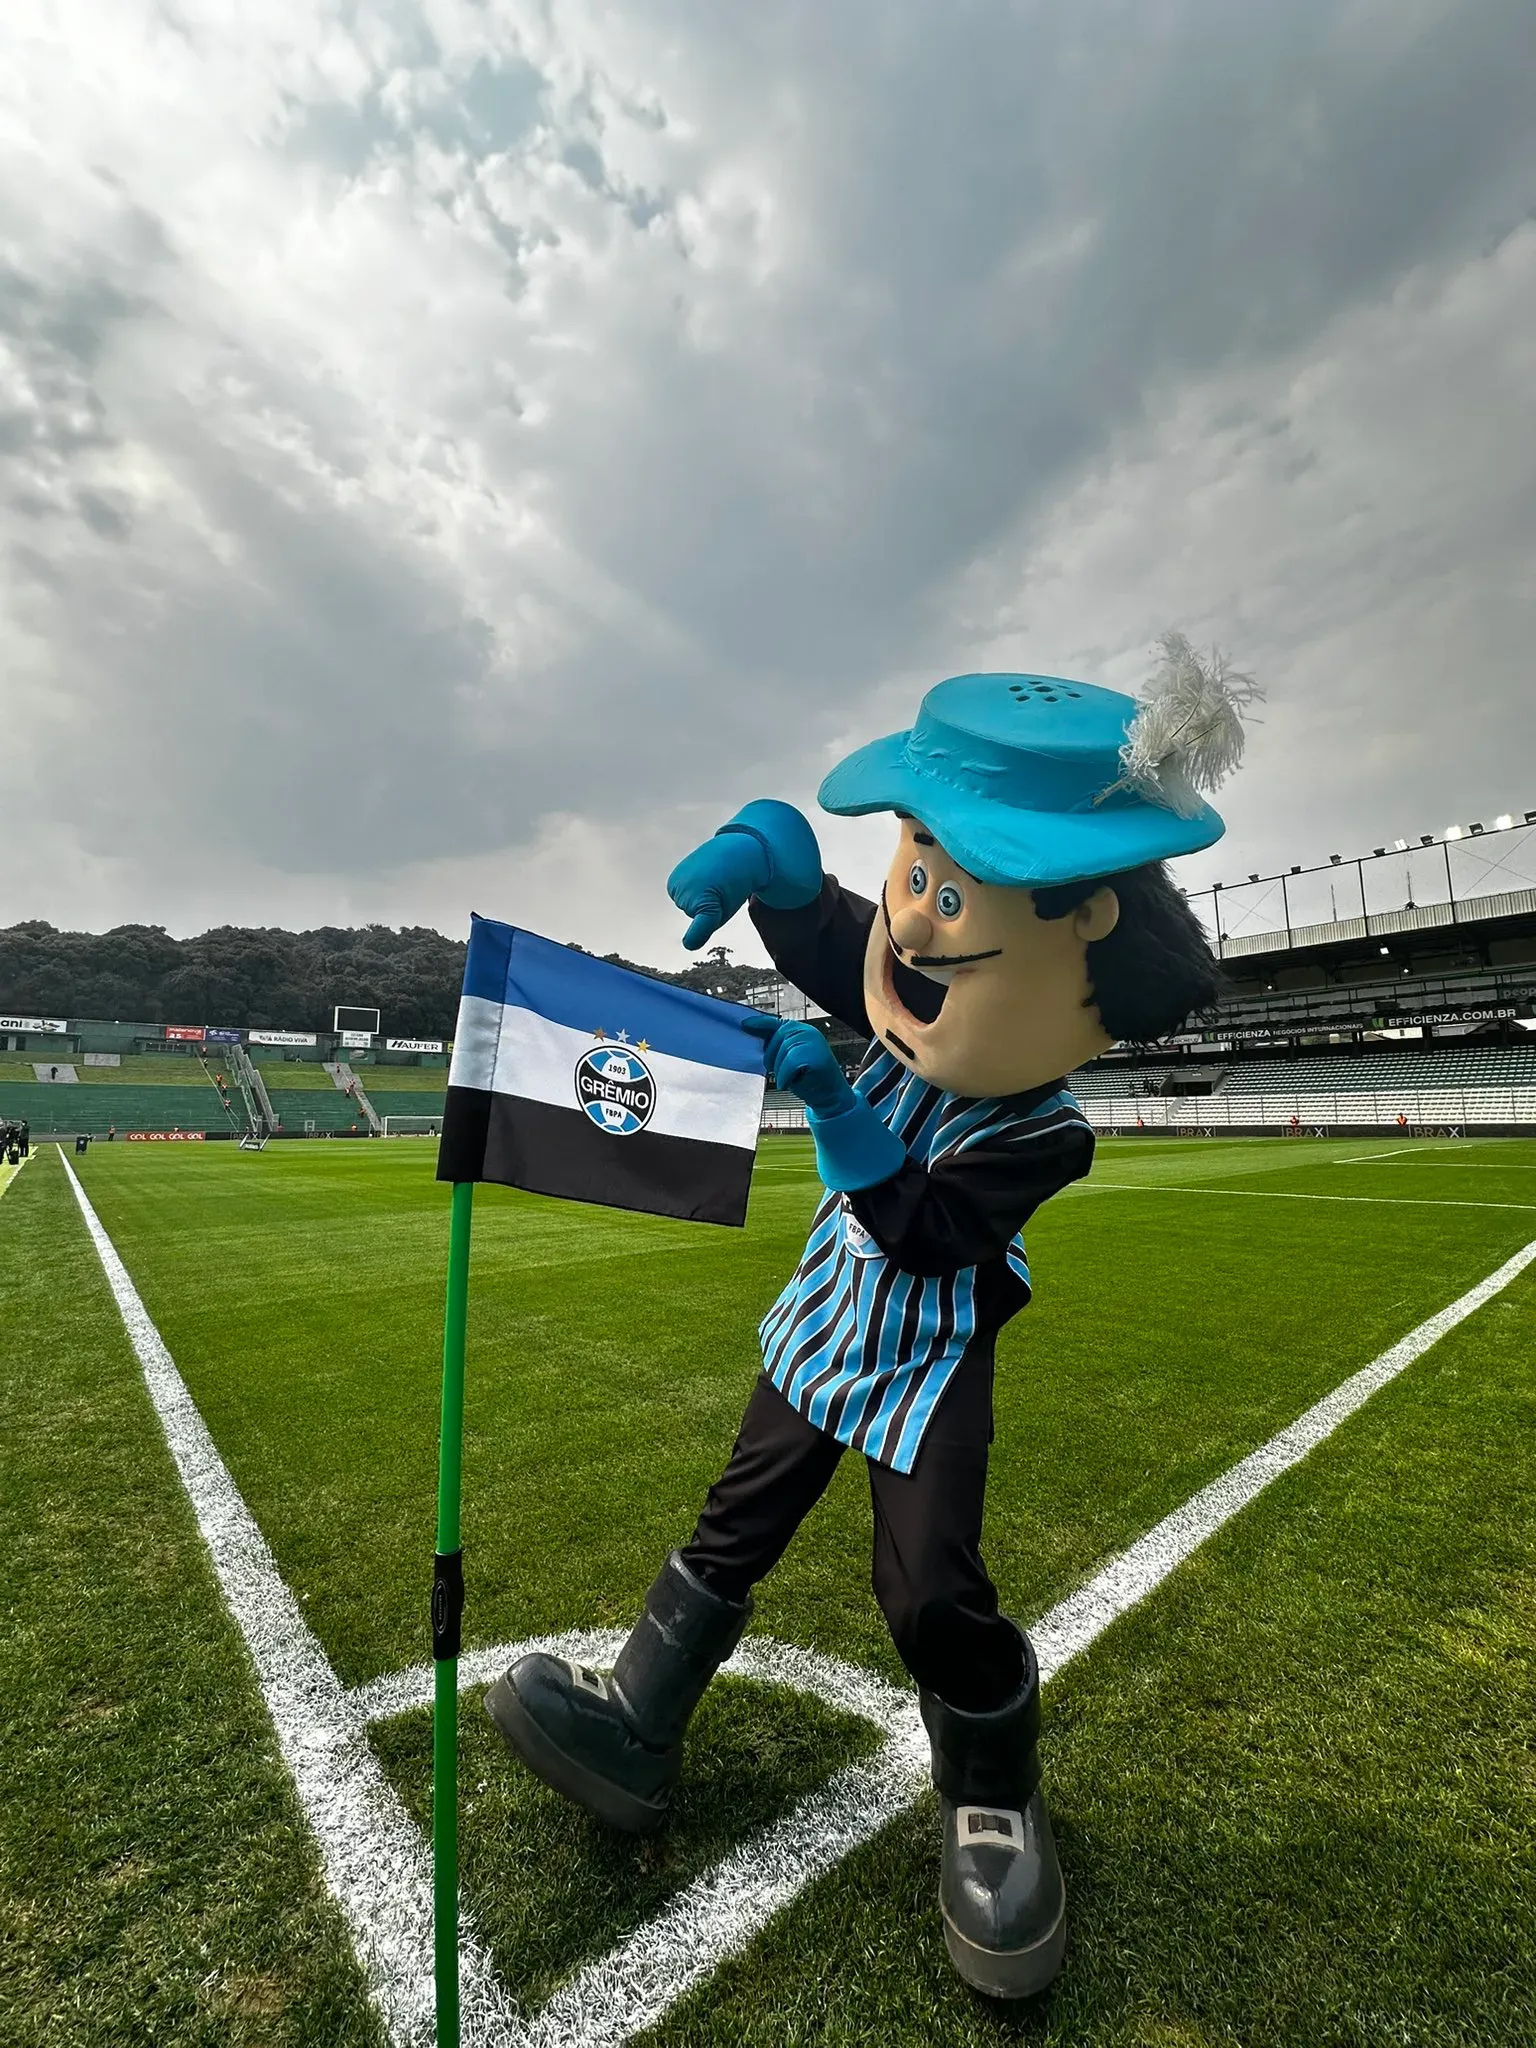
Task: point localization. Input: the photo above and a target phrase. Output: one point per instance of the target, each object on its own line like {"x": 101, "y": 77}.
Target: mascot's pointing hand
{"x": 768, "y": 850}
{"x": 800, "y": 1061}
{"x": 854, "y": 1149}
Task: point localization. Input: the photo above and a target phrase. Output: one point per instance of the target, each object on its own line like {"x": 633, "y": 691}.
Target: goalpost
{"x": 413, "y": 1126}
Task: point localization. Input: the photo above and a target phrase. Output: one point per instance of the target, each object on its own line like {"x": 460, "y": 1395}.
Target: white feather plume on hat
{"x": 1188, "y": 735}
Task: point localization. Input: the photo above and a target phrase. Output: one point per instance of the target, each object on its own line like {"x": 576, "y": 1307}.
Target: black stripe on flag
{"x": 550, "y": 1151}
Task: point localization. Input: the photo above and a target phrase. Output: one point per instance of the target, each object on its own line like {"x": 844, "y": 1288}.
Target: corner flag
{"x": 570, "y": 1077}
{"x": 573, "y": 1077}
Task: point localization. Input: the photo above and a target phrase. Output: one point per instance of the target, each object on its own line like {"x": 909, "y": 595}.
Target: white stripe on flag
{"x": 513, "y": 1051}
{"x": 475, "y": 1038}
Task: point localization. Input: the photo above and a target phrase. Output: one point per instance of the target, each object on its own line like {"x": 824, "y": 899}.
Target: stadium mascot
{"x": 1026, "y": 924}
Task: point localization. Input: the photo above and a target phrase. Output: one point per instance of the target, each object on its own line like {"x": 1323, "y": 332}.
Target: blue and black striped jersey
{"x": 898, "y": 1281}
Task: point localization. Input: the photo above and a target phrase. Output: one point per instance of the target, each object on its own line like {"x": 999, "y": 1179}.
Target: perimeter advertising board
{"x": 53, "y": 1024}
{"x": 281, "y": 1037}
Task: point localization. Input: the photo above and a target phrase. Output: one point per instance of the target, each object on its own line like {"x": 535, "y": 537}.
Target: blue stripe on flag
{"x": 508, "y": 965}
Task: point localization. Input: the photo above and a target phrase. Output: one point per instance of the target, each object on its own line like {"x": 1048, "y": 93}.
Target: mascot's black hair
{"x": 1156, "y": 967}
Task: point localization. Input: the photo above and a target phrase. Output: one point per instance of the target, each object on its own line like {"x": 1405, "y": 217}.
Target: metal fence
{"x": 1419, "y": 1108}
{"x": 784, "y": 1120}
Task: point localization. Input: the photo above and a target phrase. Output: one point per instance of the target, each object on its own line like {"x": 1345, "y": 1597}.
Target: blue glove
{"x": 767, "y": 850}
{"x": 800, "y": 1060}
{"x": 854, "y": 1149}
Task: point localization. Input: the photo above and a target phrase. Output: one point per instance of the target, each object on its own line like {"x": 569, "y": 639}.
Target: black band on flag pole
{"x": 447, "y": 1604}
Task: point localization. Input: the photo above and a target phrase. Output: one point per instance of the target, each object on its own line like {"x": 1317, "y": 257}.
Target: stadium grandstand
{"x": 71, "y": 1077}
{"x": 1385, "y": 991}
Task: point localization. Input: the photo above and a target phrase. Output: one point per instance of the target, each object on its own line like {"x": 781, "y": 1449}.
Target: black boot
{"x": 1000, "y": 1885}
{"x": 615, "y": 1745}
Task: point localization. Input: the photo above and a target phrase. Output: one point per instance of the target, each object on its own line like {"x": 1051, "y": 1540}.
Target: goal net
{"x": 413, "y": 1126}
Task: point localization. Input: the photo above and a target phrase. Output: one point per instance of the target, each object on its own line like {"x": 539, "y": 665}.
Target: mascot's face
{"x": 968, "y": 987}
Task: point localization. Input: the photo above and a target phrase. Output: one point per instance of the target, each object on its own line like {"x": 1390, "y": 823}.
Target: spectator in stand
{"x": 111, "y": 1133}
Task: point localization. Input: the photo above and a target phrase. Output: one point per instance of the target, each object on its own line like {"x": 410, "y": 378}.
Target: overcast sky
{"x": 454, "y": 452}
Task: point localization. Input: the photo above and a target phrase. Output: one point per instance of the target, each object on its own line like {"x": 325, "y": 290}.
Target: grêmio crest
{"x": 616, "y": 1089}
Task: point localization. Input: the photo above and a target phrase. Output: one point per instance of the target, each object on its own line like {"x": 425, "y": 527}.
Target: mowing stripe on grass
{"x": 1148, "y": 1187}
{"x": 1073, "y": 1624}
{"x": 374, "y": 1858}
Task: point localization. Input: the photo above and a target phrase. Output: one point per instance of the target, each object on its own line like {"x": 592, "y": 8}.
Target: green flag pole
{"x": 447, "y": 1614}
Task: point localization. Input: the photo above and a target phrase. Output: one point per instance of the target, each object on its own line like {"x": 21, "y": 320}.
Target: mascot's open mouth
{"x": 919, "y": 994}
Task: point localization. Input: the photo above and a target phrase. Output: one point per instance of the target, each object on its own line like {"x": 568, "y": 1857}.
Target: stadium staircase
{"x": 257, "y": 1101}
{"x": 346, "y": 1080}
{"x": 237, "y": 1123}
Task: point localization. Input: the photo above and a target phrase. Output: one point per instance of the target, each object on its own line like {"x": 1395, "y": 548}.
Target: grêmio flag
{"x": 576, "y": 1078}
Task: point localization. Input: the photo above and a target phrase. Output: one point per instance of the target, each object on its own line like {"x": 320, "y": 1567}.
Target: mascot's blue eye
{"x": 917, "y": 880}
{"x": 949, "y": 902}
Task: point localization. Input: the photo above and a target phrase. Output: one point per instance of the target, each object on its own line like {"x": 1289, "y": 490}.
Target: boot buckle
{"x": 989, "y": 1827}
{"x": 585, "y": 1679}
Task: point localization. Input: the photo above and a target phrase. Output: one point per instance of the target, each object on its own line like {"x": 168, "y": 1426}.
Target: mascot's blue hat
{"x": 1030, "y": 779}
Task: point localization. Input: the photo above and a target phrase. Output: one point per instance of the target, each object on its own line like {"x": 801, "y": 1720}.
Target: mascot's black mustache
{"x": 918, "y": 993}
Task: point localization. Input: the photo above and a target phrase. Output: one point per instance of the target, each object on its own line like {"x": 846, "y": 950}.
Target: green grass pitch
{"x": 1293, "y": 1790}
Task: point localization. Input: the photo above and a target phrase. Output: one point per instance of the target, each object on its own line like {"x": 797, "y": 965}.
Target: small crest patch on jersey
{"x": 856, "y": 1239}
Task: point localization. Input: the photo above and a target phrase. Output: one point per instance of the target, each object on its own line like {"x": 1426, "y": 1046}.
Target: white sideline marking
{"x": 1395, "y": 1152}
{"x": 1140, "y": 1187}
{"x": 374, "y": 1857}
{"x": 1073, "y": 1624}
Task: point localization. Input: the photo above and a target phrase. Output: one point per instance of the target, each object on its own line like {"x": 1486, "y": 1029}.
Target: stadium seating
{"x": 329, "y": 1111}
{"x": 1484, "y": 1066}
{"x": 1102, "y": 1083}
{"x": 405, "y": 1101}
{"x": 50, "y": 1107}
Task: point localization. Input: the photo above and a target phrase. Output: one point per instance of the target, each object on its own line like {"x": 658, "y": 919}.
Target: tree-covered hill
{"x": 273, "y": 980}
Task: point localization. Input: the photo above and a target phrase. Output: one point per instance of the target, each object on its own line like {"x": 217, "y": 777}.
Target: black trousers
{"x": 929, "y": 1578}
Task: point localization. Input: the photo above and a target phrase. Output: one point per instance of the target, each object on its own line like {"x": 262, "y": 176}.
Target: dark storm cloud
{"x": 682, "y": 378}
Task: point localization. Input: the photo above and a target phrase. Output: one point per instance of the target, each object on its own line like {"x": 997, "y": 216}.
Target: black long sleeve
{"x": 820, "y": 948}
{"x": 965, "y": 1210}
